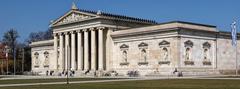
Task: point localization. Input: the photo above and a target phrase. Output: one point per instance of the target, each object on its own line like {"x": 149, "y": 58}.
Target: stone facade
{"x": 101, "y": 43}
{"x": 42, "y": 56}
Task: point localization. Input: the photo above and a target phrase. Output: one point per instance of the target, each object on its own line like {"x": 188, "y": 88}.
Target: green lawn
{"x": 149, "y": 84}
{"x": 21, "y": 81}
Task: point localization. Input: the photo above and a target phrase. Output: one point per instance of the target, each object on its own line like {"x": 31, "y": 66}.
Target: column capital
{"x": 79, "y": 31}
{"x": 92, "y": 29}
{"x": 65, "y": 33}
{"x": 55, "y": 34}
{"x": 85, "y": 30}
{"x": 72, "y": 32}
{"x": 101, "y": 28}
{"x": 60, "y": 33}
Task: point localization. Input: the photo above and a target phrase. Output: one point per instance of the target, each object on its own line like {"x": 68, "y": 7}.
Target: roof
{"x": 227, "y": 33}
{"x": 199, "y": 24}
{"x": 118, "y": 16}
{"x": 100, "y": 14}
{"x": 42, "y": 43}
{"x": 166, "y": 27}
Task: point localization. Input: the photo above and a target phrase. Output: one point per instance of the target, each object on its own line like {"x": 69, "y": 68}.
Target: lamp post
{"x": 23, "y": 58}
{"x": 14, "y": 61}
{"x": 7, "y": 51}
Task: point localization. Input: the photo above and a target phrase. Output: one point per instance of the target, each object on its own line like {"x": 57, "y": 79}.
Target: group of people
{"x": 63, "y": 73}
{"x": 179, "y": 73}
{"x": 49, "y": 73}
{"x": 133, "y": 73}
{"x": 130, "y": 73}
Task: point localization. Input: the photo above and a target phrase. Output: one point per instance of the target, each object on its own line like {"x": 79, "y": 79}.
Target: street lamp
{"x": 23, "y": 58}
{"x": 7, "y": 51}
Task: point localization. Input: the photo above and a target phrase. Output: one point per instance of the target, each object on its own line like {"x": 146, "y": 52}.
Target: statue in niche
{"x": 165, "y": 54}
{"x": 205, "y": 54}
{"x": 36, "y": 58}
{"x": 37, "y": 61}
{"x": 125, "y": 56}
{"x": 144, "y": 55}
{"x": 187, "y": 55}
{"x": 46, "y": 61}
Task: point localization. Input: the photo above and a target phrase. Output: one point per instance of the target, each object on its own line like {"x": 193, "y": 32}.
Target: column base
{"x": 92, "y": 73}
{"x": 51, "y": 72}
{"x": 79, "y": 73}
{"x": 59, "y": 72}
{"x": 85, "y": 72}
{"x": 100, "y": 73}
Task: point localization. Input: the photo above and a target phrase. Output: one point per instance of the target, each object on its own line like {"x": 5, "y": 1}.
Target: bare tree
{"x": 39, "y": 36}
{"x": 10, "y": 39}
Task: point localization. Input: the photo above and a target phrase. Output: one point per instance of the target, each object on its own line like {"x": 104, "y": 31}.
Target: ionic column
{"x": 86, "y": 59}
{"x": 93, "y": 49}
{"x": 56, "y": 50}
{"x": 61, "y": 52}
{"x": 66, "y": 50}
{"x": 73, "y": 51}
{"x": 80, "y": 51}
{"x": 100, "y": 48}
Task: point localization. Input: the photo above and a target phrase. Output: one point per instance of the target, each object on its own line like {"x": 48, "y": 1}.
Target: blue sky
{"x": 28, "y": 16}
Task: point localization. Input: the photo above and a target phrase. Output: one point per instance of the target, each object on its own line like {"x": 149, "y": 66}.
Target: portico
{"x": 86, "y": 43}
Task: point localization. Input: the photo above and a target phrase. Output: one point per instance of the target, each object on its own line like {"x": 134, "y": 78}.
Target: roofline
{"x": 145, "y": 32}
{"x": 206, "y": 25}
{"x": 42, "y": 43}
{"x": 105, "y": 14}
{"x": 227, "y": 33}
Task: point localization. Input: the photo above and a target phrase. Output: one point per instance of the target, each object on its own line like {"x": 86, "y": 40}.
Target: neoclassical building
{"x": 90, "y": 42}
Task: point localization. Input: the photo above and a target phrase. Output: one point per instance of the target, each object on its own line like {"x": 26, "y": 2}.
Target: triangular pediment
{"x": 73, "y": 16}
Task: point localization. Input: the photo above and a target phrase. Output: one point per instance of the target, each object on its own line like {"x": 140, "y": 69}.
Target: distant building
{"x": 90, "y": 42}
